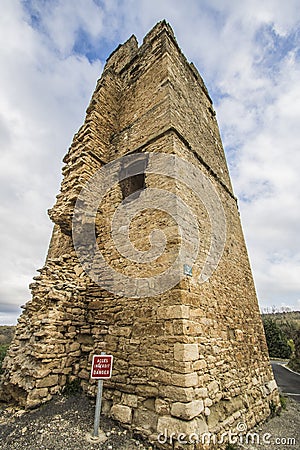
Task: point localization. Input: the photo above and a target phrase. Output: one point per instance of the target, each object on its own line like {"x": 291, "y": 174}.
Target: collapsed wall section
{"x": 56, "y": 329}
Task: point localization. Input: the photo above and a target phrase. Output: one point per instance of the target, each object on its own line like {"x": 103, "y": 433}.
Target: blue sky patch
{"x": 93, "y": 50}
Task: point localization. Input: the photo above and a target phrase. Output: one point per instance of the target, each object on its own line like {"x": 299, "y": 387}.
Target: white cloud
{"x": 266, "y": 177}
{"x": 43, "y": 100}
{"x": 247, "y": 53}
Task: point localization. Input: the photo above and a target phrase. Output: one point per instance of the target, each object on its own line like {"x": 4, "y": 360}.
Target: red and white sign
{"x": 101, "y": 367}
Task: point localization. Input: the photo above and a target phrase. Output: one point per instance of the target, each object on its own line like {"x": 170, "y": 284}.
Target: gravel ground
{"x": 280, "y": 432}
{"x": 64, "y": 424}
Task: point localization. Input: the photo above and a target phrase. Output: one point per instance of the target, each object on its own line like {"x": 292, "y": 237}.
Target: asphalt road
{"x": 287, "y": 381}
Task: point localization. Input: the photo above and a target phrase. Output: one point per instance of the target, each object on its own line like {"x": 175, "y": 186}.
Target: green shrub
{"x": 231, "y": 447}
{"x": 282, "y": 401}
{"x": 276, "y": 339}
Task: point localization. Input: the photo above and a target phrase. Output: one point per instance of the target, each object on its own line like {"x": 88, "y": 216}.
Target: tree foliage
{"x": 294, "y": 363}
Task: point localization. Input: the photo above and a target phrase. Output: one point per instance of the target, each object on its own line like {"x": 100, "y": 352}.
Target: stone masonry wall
{"x": 193, "y": 359}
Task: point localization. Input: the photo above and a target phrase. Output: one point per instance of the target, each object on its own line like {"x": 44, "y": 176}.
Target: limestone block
{"x": 54, "y": 390}
{"x": 236, "y": 415}
{"x": 159, "y": 375}
{"x": 168, "y": 425}
{"x": 218, "y": 396}
{"x": 187, "y": 327}
{"x": 130, "y": 400}
{"x": 183, "y": 367}
{"x": 234, "y": 404}
{"x": 162, "y": 407}
{"x": 185, "y": 380}
{"x": 73, "y": 347}
{"x": 148, "y": 391}
{"x": 213, "y": 387}
{"x": 187, "y": 411}
{"x": 271, "y": 386}
{"x": 201, "y": 392}
{"x": 186, "y": 352}
{"x": 41, "y": 373}
{"x": 85, "y": 339}
{"x": 120, "y": 331}
{"x": 121, "y": 413}
{"x": 145, "y": 419}
{"x": 77, "y": 353}
{"x": 173, "y": 312}
{"x": 175, "y": 393}
{"x": 210, "y": 359}
{"x": 208, "y": 402}
{"x": 32, "y": 403}
{"x": 216, "y": 349}
{"x": 57, "y": 296}
{"x": 85, "y": 374}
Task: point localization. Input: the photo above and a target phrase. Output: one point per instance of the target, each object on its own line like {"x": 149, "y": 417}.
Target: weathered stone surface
{"x": 201, "y": 392}
{"x": 213, "y": 387}
{"x": 185, "y": 379}
{"x": 130, "y": 400}
{"x": 175, "y": 393}
{"x": 145, "y": 419}
{"x": 162, "y": 407}
{"x": 187, "y": 411}
{"x": 121, "y": 413}
{"x": 186, "y": 352}
{"x": 197, "y": 351}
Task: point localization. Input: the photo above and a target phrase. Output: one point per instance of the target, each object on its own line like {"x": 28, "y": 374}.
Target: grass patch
{"x": 3, "y": 350}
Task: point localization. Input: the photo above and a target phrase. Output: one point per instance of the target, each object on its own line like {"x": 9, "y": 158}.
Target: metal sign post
{"x": 101, "y": 370}
{"x": 98, "y": 408}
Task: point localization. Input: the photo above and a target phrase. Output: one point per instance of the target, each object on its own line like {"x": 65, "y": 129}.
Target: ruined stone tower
{"x": 191, "y": 358}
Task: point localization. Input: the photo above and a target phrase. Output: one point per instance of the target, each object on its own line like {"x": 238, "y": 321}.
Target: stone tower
{"x": 191, "y": 358}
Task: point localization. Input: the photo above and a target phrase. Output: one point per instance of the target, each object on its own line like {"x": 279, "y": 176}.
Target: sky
{"x": 248, "y": 52}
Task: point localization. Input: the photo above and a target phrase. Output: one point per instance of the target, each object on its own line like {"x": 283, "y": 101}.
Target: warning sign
{"x": 101, "y": 367}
